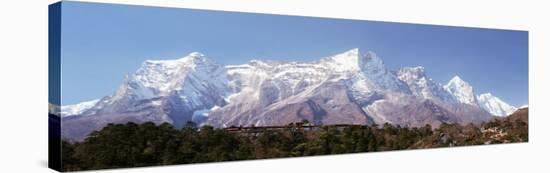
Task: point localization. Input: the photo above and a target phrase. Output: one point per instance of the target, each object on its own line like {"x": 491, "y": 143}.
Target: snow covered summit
{"x": 462, "y": 91}
{"x": 494, "y": 105}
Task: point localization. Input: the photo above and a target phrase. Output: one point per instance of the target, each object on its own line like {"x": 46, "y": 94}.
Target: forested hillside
{"x": 147, "y": 144}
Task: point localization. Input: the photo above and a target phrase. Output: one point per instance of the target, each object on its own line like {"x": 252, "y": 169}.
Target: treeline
{"x": 135, "y": 145}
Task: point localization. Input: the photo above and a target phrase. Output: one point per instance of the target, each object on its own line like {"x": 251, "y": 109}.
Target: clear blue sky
{"x": 101, "y": 43}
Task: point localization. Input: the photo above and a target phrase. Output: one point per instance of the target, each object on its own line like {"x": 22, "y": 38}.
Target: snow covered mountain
{"x": 77, "y": 109}
{"x": 494, "y": 105}
{"x": 464, "y": 93}
{"x": 277, "y": 93}
{"x": 159, "y": 91}
{"x": 422, "y": 86}
{"x": 352, "y": 87}
{"x": 461, "y": 90}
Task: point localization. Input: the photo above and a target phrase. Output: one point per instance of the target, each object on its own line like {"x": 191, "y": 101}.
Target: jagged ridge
{"x": 350, "y": 88}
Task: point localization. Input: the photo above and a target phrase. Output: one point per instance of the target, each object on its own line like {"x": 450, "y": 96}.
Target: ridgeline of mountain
{"x": 347, "y": 88}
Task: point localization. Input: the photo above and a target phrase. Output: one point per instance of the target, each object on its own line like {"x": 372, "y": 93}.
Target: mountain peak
{"x": 191, "y": 60}
{"x": 417, "y": 68}
{"x": 196, "y": 54}
{"x": 414, "y": 72}
{"x": 354, "y": 60}
{"x": 346, "y": 61}
{"x": 158, "y": 77}
{"x": 494, "y": 105}
{"x": 192, "y": 57}
{"x": 354, "y": 51}
{"x": 195, "y": 58}
{"x": 486, "y": 95}
{"x": 458, "y": 83}
{"x": 77, "y": 109}
{"x": 457, "y": 80}
{"x": 349, "y": 55}
{"x": 461, "y": 90}
{"x": 421, "y": 85}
